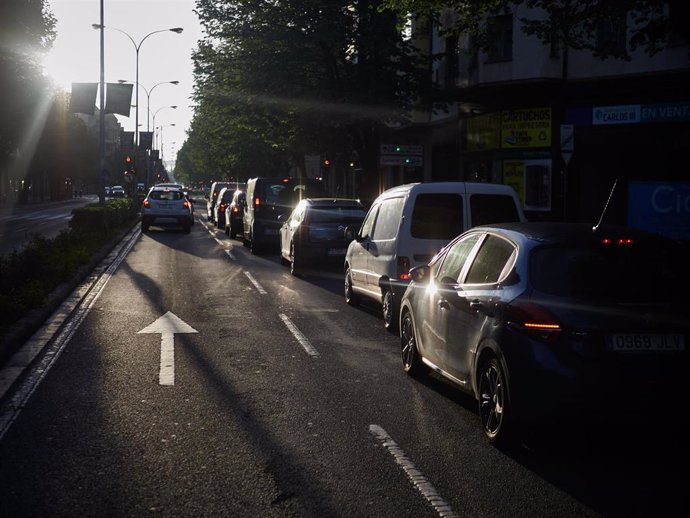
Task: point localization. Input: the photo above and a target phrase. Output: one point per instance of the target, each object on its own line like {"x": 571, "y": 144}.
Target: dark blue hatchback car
{"x": 554, "y": 319}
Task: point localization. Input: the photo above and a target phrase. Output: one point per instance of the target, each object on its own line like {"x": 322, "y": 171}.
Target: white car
{"x": 409, "y": 224}
{"x": 166, "y": 206}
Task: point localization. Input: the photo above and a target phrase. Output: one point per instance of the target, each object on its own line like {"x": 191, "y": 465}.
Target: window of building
{"x": 499, "y": 34}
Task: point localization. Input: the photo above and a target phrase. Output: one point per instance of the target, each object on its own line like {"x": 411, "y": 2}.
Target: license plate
{"x": 336, "y": 251}
{"x": 643, "y": 342}
{"x": 271, "y": 231}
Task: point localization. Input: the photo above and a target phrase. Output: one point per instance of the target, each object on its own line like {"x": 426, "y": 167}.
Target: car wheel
{"x": 494, "y": 409}
{"x": 350, "y": 297}
{"x": 411, "y": 360}
{"x": 294, "y": 268}
{"x": 227, "y": 230}
{"x": 389, "y": 311}
{"x": 231, "y": 231}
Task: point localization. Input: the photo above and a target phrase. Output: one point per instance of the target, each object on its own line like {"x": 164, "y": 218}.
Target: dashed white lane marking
{"x": 231, "y": 255}
{"x": 419, "y": 481}
{"x": 256, "y": 284}
{"x": 303, "y": 340}
{"x": 217, "y": 240}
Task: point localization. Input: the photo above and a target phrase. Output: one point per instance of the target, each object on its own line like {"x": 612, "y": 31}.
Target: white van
{"x": 407, "y": 225}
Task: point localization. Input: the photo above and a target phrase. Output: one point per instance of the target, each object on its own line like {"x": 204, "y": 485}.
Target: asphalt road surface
{"x": 20, "y": 222}
{"x": 205, "y": 381}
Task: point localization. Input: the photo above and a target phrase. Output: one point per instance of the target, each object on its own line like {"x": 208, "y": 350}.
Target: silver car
{"x": 166, "y": 206}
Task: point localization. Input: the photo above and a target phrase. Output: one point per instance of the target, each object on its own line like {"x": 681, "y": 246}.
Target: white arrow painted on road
{"x": 167, "y": 326}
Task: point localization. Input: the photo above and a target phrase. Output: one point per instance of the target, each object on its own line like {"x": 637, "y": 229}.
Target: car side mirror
{"x": 420, "y": 274}
{"x": 349, "y": 234}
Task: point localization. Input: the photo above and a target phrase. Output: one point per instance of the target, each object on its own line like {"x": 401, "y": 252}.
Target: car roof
{"x": 434, "y": 187}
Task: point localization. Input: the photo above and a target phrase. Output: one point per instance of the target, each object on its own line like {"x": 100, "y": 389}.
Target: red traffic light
{"x": 327, "y": 162}
{"x": 128, "y": 159}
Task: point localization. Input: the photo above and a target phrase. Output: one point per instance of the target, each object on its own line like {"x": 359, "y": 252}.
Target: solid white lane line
{"x": 304, "y": 342}
{"x": 218, "y": 241}
{"x": 256, "y": 284}
{"x": 419, "y": 481}
{"x": 231, "y": 255}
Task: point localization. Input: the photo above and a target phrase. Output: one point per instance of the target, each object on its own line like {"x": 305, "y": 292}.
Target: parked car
{"x": 553, "y": 319}
{"x": 314, "y": 234}
{"x": 407, "y": 225}
{"x": 234, "y": 214}
{"x": 222, "y": 203}
{"x": 268, "y": 198}
{"x": 108, "y": 190}
{"x": 165, "y": 206}
{"x": 117, "y": 191}
{"x": 211, "y": 199}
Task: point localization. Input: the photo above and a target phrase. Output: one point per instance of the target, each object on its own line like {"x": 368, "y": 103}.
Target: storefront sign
{"x": 484, "y": 132}
{"x": 665, "y": 112}
{"x": 526, "y": 128}
{"x": 625, "y": 114}
{"x": 661, "y": 207}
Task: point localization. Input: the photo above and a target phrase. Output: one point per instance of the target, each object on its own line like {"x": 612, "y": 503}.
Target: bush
{"x": 29, "y": 276}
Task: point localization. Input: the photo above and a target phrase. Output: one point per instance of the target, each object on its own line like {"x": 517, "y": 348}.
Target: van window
{"x": 368, "y": 223}
{"x": 388, "y": 222}
{"x": 492, "y": 208}
{"x": 437, "y": 216}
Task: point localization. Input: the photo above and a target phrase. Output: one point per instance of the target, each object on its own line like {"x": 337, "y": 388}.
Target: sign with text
{"x": 661, "y": 207}
{"x": 484, "y": 132}
{"x": 526, "y": 128}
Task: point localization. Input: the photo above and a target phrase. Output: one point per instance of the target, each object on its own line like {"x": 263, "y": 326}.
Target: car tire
{"x": 388, "y": 310}
{"x": 294, "y": 264}
{"x": 409, "y": 354}
{"x": 494, "y": 405}
{"x": 350, "y": 297}
{"x": 227, "y": 230}
{"x": 231, "y": 231}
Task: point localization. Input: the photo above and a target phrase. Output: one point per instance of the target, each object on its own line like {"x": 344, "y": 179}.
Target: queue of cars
{"x": 536, "y": 321}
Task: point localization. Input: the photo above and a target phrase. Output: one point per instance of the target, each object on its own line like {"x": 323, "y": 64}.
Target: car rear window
{"x": 621, "y": 273}
{"x": 336, "y": 214}
{"x": 437, "y": 216}
{"x": 487, "y": 209}
{"x": 166, "y": 195}
{"x": 290, "y": 192}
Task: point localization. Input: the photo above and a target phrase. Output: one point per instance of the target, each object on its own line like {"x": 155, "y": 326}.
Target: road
{"x": 20, "y": 222}
{"x": 205, "y": 381}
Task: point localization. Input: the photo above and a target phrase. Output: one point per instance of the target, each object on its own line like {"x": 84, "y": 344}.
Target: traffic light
{"x": 326, "y": 167}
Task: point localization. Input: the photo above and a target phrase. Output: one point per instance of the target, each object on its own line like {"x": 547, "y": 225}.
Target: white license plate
{"x": 336, "y": 251}
{"x": 271, "y": 231}
{"x": 642, "y": 342}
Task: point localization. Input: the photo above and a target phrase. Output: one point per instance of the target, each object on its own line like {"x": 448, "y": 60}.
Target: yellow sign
{"x": 526, "y": 128}
{"x": 484, "y": 132}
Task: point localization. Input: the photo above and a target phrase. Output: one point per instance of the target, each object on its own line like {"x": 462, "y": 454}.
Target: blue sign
{"x": 661, "y": 207}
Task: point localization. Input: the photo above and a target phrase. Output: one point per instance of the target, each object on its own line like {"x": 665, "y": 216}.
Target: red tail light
{"x": 257, "y": 201}
{"x": 147, "y": 203}
{"x": 235, "y": 210}
{"x": 534, "y": 320}
{"x": 620, "y": 241}
{"x": 404, "y": 268}
{"x": 186, "y": 204}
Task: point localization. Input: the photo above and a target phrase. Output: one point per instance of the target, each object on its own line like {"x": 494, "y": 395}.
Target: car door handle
{"x": 443, "y": 304}
{"x": 476, "y": 305}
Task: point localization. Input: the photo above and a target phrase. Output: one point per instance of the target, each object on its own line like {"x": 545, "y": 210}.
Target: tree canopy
{"x": 277, "y": 80}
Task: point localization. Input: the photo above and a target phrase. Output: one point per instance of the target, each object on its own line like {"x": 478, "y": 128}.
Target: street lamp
{"x": 137, "y": 47}
{"x": 148, "y": 97}
{"x": 174, "y": 107}
{"x": 161, "y": 137}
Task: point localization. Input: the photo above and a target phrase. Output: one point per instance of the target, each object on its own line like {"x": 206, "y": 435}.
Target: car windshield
{"x": 612, "y": 272}
{"x": 336, "y": 214}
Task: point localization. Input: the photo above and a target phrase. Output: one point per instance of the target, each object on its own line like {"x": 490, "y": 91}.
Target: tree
{"x": 277, "y": 80}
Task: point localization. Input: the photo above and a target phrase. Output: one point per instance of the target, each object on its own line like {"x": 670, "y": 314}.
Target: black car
{"x": 314, "y": 233}
{"x": 554, "y": 319}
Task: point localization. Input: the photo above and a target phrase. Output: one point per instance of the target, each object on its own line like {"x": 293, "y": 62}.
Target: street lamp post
{"x": 156, "y": 112}
{"x": 148, "y": 98}
{"x": 137, "y": 47}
